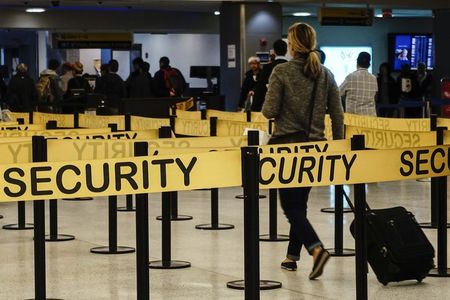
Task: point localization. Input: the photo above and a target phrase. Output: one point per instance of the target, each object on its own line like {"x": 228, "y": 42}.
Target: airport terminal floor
{"x": 216, "y": 256}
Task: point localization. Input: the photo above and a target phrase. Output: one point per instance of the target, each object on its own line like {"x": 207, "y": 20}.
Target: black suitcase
{"x": 397, "y": 248}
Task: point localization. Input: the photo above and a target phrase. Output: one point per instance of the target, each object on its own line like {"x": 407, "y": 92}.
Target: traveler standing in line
{"x": 387, "y": 89}
{"x": 78, "y": 81}
{"x": 299, "y": 95}
{"x": 48, "y": 87}
{"x": 250, "y": 80}
{"x": 280, "y": 49}
{"x": 138, "y": 84}
{"x": 66, "y": 76}
{"x": 168, "y": 81}
{"x": 22, "y": 93}
{"x": 360, "y": 88}
{"x": 115, "y": 88}
{"x": 3, "y": 86}
{"x": 424, "y": 81}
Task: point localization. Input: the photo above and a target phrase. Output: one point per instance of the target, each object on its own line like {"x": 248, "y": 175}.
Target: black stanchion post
{"x": 76, "y": 120}
{"x": 214, "y": 225}
{"x": 142, "y": 242}
{"x": 248, "y": 116}
{"x": 357, "y": 143}
{"x": 172, "y": 123}
{"x": 442, "y": 270}
{"x": 166, "y": 132}
{"x": 112, "y": 247}
{"x": 166, "y": 262}
{"x": 20, "y": 121}
{"x": 203, "y": 114}
{"x": 54, "y": 236}
{"x": 250, "y": 181}
{"x": 30, "y": 117}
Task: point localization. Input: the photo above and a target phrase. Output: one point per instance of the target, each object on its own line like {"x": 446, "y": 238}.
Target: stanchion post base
{"x": 429, "y": 225}
{"x": 78, "y": 199}
{"x": 28, "y": 226}
{"x": 107, "y": 250}
{"x": 435, "y": 273}
{"x": 125, "y": 209}
{"x": 177, "y": 218}
{"x": 263, "y": 285}
{"x": 59, "y": 238}
{"x": 173, "y": 264}
{"x": 242, "y": 197}
{"x": 214, "y": 227}
{"x": 330, "y": 210}
{"x": 276, "y": 238}
{"x": 343, "y": 253}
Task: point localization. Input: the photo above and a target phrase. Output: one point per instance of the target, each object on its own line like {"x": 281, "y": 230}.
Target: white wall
{"x": 183, "y": 50}
{"x": 123, "y": 58}
{"x": 87, "y": 57}
{"x": 42, "y": 50}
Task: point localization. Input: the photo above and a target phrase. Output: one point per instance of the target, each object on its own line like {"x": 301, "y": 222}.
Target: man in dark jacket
{"x": 114, "y": 87}
{"x": 139, "y": 82}
{"x": 168, "y": 81}
{"x": 22, "y": 94}
{"x": 280, "y": 49}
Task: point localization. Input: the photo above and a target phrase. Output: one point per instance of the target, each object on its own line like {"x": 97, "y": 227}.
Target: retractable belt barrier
{"x": 387, "y": 123}
{"x": 55, "y": 133}
{"x": 17, "y": 127}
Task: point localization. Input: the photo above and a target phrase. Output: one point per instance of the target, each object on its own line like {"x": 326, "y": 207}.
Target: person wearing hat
{"x": 21, "y": 94}
{"x": 78, "y": 86}
{"x": 360, "y": 88}
{"x": 66, "y": 76}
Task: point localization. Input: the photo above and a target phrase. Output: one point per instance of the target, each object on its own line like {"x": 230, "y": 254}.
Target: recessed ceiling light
{"x": 35, "y": 10}
{"x": 301, "y": 14}
{"x": 217, "y": 13}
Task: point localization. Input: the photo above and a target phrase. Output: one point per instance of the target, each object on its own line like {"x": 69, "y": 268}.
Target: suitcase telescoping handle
{"x": 347, "y": 198}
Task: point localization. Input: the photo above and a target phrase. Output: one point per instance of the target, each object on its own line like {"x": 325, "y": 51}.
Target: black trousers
{"x": 294, "y": 202}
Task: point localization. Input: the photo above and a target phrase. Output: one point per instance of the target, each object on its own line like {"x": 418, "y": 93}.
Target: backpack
{"x": 44, "y": 89}
{"x": 173, "y": 81}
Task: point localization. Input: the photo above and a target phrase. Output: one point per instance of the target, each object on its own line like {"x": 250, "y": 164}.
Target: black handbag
{"x": 298, "y": 136}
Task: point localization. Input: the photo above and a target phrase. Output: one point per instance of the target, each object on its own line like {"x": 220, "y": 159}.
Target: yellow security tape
{"x": 189, "y": 115}
{"x": 20, "y": 115}
{"x": 185, "y": 105}
{"x": 192, "y": 127}
{"x": 200, "y": 142}
{"x": 321, "y": 146}
{"x": 8, "y": 123}
{"x": 328, "y": 129}
{"x": 90, "y": 178}
{"x": 322, "y": 169}
{"x": 233, "y": 128}
{"x": 387, "y": 123}
{"x": 92, "y": 121}
{"x": 443, "y": 122}
{"x": 258, "y": 117}
{"x": 53, "y": 132}
{"x": 142, "y": 123}
{"x": 27, "y": 127}
{"x": 226, "y": 115}
{"x": 62, "y": 120}
{"x": 389, "y": 139}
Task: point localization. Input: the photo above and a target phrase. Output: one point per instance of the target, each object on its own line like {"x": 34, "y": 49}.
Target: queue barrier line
{"x": 51, "y": 133}
{"x": 443, "y": 122}
{"x": 422, "y": 124}
{"x": 143, "y": 123}
{"x": 390, "y": 139}
{"x": 21, "y": 127}
{"x": 8, "y": 123}
{"x": 20, "y": 115}
{"x": 232, "y": 128}
{"x": 63, "y": 120}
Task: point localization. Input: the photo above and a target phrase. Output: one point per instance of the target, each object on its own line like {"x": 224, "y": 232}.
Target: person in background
{"x": 146, "y": 70}
{"x": 138, "y": 83}
{"x": 424, "y": 81}
{"x": 250, "y": 80}
{"x": 78, "y": 82}
{"x": 387, "y": 89}
{"x": 66, "y": 76}
{"x": 299, "y": 95}
{"x": 407, "y": 90}
{"x": 115, "y": 88}
{"x": 3, "y": 86}
{"x": 49, "y": 91}
{"x": 22, "y": 94}
{"x": 280, "y": 49}
{"x": 360, "y": 88}
{"x": 100, "y": 82}
{"x": 168, "y": 81}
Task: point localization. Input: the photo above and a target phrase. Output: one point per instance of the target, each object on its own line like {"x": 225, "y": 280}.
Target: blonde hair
{"x": 302, "y": 40}
{"x": 254, "y": 58}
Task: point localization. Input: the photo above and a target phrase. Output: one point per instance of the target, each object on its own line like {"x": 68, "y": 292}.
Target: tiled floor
{"x": 216, "y": 256}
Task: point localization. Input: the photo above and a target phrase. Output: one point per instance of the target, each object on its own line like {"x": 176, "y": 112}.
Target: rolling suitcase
{"x": 397, "y": 248}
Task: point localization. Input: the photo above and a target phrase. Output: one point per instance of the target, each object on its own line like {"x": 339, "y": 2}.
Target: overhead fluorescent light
{"x": 35, "y": 10}
{"x": 217, "y": 13}
{"x": 302, "y": 14}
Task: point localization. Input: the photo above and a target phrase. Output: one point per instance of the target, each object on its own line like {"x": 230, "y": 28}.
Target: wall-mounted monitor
{"x": 341, "y": 60}
{"x": 410, "y": 49}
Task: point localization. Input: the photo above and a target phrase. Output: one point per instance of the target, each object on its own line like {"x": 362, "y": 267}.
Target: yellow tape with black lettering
{"x": 226, "y": 115}
{"x": 322, "y": 169}
{"x": 53, "y": 132}
{"x": 119, "y": 176}
{"x": 8, "y": 123}
{"x": 189, "y": 115}
{"x": 20, "y": 115}
{"x": 389, "y": 139}
{"x": 258, "y": 117}
{"x": 443, "y": 122}
{"x": 93, "y": 121}
{"x": 26, "y": 127}
{"x": 233, "y": 128}
{"x": 387, "y": 123}
{"x": 62, "y": 120}
{"x": 320, "y": 146}
{"x": 142, "y": 123}
{"x": 185, "y": 105}
{"x": 328, "y": 129}
{"x": 200, "y": 142}
{"x": 192, "y": 127}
